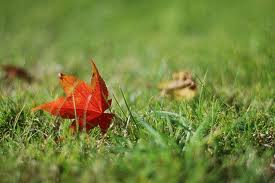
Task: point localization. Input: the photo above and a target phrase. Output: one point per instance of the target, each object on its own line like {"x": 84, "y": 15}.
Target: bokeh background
{"x": 140, "y": 40}
{"x": 227, "y": 45}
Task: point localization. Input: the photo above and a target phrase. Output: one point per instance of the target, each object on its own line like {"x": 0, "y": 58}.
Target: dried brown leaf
{"x": 182, "y": 87}
{"x": 12, "y": 72}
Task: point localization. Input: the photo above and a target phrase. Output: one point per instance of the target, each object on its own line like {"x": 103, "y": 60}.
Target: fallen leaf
{"x": 183, "y": 86}
{"x": 11, "y": 72}
{"x": 84, "y": 103}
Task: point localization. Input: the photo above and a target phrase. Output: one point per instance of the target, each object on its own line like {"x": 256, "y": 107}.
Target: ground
{"x": 225, "y": 134}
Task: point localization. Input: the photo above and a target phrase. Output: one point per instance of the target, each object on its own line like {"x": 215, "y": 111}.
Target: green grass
{"x": 226, "y": 134}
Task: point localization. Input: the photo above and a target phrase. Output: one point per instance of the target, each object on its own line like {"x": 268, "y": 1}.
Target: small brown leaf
{"x": 12, "y": 72}
{"x": 182, "y": 87}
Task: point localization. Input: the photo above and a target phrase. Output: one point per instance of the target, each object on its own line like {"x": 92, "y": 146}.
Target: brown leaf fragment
{"x": 12, "y": 72}
{"x": 182, "y": 87}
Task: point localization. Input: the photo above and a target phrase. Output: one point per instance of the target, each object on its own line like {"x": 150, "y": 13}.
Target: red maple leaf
{"x": 84, "y": 103}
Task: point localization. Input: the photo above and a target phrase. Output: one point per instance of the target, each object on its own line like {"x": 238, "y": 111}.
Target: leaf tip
{"x": 94, "y": 68}
{"x": 60, "y": 75}
{"x": 34, "y": 109}
{"x": 92, "y": 61}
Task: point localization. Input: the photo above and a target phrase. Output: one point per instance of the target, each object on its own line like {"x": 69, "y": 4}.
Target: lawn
{"x": 225, "y": 134}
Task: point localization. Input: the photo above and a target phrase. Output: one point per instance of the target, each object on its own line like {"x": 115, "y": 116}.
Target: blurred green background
{"x": 223, "y": 37}
{"x": 228, "y": 45}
